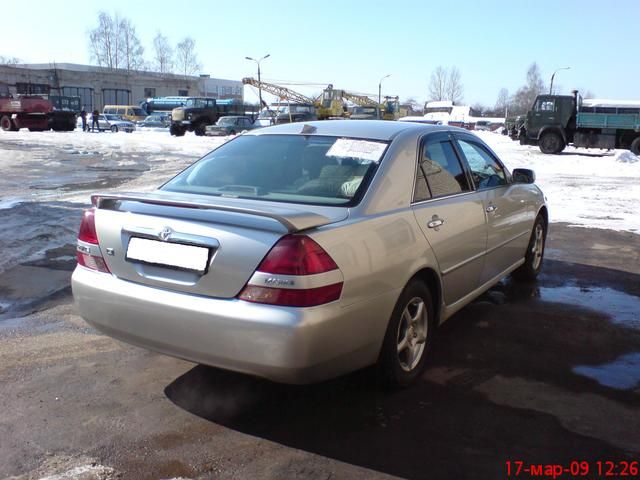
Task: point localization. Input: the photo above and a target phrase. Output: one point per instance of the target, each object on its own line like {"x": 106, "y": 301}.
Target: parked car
{"x": 156, "y": 120}
{"x": 301, "y": 252}
{"x": 133, "y": 113}
{"x": 230, "y": 125}
{"x": 114, "y": 123}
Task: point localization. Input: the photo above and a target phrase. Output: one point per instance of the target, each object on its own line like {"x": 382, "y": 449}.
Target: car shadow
{"x": 442, "y": 426}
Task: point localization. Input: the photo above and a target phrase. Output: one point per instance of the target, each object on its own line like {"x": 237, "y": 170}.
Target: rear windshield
{"x": 285, "y": 168}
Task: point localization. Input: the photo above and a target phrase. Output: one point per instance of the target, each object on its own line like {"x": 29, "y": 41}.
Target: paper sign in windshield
{"x": 363, "y": 149}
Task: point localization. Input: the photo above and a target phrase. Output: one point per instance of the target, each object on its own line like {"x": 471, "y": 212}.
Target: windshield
{"x": 365, "y": 110}
{"x": 113, "y": 117}
{"x": 138, "y": 112}
{"x": 285, "y": 168}
{"x": 226, "y": 121}
{"x": 195, "y": 103}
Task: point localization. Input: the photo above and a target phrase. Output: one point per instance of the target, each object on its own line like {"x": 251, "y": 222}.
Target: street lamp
{"x": 552, "y": 76}
{"x": 380, "y": 93}
{"x": 258, "y": 63}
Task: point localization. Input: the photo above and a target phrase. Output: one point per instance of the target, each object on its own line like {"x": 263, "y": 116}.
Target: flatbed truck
{"x": 556, "y": 121}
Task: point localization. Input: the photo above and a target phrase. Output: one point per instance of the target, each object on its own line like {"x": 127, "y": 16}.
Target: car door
{"x": 507, "y": 205}
{"x": 451, "y": 215}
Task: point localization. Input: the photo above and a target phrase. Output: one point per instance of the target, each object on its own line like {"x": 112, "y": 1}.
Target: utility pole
{"x": 380, "y": 94}
{"x": 552, "y": 77}
{"x": 259, "y": 81}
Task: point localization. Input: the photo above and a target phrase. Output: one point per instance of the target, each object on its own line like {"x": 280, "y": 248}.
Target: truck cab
{"x": 549, "y": 123}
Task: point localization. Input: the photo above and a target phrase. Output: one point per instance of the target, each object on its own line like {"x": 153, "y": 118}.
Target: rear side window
{"x": 442, "y": 169}
{"x": 285, "y": 168}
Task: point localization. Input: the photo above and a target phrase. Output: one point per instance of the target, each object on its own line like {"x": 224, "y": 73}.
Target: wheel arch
{"x": 553, "y": 128}
{"x": 545, "y": 214}
{"x": 431, "y": 279}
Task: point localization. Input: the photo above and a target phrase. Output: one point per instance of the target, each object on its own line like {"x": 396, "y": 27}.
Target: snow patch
{"x": 626, "y": 157}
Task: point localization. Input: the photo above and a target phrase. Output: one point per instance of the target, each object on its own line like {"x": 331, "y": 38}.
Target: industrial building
{"x": 99, "y": 86}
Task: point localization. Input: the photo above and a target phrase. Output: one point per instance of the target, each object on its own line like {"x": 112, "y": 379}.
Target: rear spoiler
{"x": 293, "y": 220}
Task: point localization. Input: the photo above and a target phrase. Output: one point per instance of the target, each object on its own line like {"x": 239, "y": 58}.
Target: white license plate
{"x": 173, "y": 255}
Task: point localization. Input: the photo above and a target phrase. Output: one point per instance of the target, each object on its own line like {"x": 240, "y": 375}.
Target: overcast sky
{"x": 352, "y": 44}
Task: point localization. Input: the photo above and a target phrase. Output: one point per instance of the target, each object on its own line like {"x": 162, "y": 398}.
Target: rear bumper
{"x": 284, "y": 344}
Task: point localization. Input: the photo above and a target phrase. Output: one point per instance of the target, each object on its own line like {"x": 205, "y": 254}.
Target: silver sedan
{"x": 304, "y": 251}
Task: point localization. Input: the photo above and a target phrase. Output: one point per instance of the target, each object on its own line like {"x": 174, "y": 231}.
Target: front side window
{"x": 442, "y": 169}
{"x": 285, "y": 168}
{"x": 485, "y": 170}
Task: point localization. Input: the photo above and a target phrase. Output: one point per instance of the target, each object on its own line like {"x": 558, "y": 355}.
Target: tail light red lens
{"x": 297, "y": 255}
{"x": 88, "y": 227}
{"x": 87, "y": 234}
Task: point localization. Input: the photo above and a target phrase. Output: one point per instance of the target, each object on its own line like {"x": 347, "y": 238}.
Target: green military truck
{"x": 198, "y": 112}
{"x": 556, "y": 121}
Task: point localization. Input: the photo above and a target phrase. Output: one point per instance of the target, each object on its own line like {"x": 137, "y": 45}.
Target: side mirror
{"x": 523, "y": 175}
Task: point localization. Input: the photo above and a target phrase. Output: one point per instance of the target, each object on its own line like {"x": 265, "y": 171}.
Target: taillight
{"x": 88, "y": 249}
{"x": 297, "y": 255}
{"x": 297, "y": 272}
{"x": 88, "y": 227}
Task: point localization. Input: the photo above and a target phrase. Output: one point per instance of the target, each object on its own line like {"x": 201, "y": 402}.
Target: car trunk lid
{"x": 195, "y": 243}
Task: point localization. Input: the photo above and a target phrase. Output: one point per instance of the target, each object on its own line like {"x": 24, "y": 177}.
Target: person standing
{"x": 94, "y": 120}
{"x": 83, "y": 116}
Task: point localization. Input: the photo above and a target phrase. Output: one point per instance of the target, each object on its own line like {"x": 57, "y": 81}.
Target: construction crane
{"x": 298, "y": 107}
{"x": 282, "y": 93}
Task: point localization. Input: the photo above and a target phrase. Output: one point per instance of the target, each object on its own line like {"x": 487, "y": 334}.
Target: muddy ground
{"x": 542, "y": 373}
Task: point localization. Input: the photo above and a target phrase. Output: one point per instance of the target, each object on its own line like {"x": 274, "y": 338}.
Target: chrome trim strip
{"x": 506, "y": 241}
{"x": 463, "y": 263}
{"x": 296, "y": 282}
{"x": 478, "y": 255}
{"x": 434, "y": 199}
{"x": 173, "y": 237}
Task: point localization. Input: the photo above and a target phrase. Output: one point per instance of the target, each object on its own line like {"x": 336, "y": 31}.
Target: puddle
{"x": 621, "y": 307}
{"x": 623, "y": 373}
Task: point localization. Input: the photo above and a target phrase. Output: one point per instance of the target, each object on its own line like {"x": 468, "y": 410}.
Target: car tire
{"x": 408, "y": 337}
{"x": 534, "y": 255}
{"x": 114, "y": 128}
{"x": 232, "y": 132}
{"x": 635, "y": 146}
{"x": 551, "y": 142}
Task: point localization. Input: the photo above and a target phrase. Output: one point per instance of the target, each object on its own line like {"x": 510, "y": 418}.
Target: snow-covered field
{"x": 48, "y": 177}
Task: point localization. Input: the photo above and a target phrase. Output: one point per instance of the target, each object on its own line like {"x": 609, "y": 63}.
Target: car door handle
{"x": 435, "y": 223}
{"x": 491, "y": 208}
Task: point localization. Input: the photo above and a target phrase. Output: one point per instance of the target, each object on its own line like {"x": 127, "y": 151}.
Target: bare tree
{"x": 105, "y": 41}
{"x": 9, "y": 60}
{"x": 525, "y": 96}
{"x": 186, "y": 59}
{"x": 455, "y": 89}
{"x": 130, "y": 46}
{"x": 502, "y": 102}
{"x": 438, "y": 84}
{"x": 163, "y": 54}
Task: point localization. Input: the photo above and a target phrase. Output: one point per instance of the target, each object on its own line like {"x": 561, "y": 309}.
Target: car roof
{"x": 373, "y": 129}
